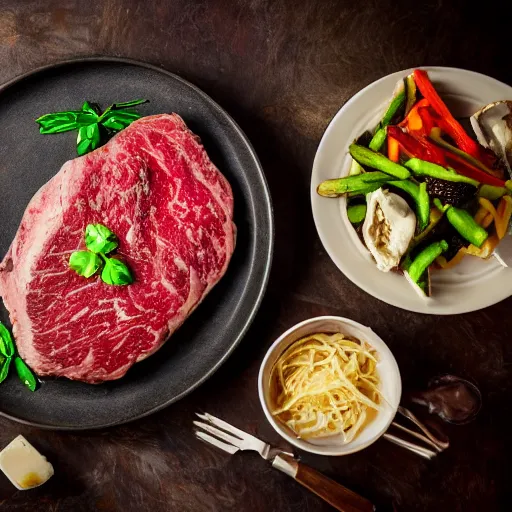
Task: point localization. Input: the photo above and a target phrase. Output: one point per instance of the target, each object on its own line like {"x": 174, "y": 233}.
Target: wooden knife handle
{"x": 335, "y": 494}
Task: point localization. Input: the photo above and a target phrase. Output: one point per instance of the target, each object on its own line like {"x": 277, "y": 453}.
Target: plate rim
{"x": 352, "y": 276}
{"x": 269, "y": 252}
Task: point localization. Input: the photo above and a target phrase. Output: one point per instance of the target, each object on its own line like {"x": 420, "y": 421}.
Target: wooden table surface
{"x": 282, "y": 69}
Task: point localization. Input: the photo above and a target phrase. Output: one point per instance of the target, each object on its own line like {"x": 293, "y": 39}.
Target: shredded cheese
{"x": 326, "y": 384}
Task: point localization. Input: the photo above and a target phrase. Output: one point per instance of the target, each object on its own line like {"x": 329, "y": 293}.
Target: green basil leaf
{"x": 60, "y": 128}
{"x": 127, "y": 114}
{"x": 86, "y": 118}
{"x": 85, "y": 263}
{"x": 117, "y": 106}
{"x": 116, "y": 273}
{"x": 65, "y": 121}
{"x": 7, "y": 348}
{"x": 25, "y": 374}
{"x": 91, "y": 109}
{"x": 69, "y": 115}
{"x": 98, "y": 238}
{"x": 88, "y": 138}
{"x": 5, "y": 363}
{"x": 123, "y": 114}
{"x": 114, "y": 124}
{"x": 119, "y": 119}
{"x": 126, "y": 104}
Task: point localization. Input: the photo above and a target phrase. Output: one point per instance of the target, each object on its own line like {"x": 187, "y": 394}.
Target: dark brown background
{"x": 282, "y": 69}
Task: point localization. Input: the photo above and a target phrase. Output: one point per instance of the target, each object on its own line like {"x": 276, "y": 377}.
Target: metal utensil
{"x": 412, "y": 447}
{"x": 231, "y": 439}
{"x": 429, "y": 438}
{"x": 452, "y": 398}
{"x": 439, "y": 444}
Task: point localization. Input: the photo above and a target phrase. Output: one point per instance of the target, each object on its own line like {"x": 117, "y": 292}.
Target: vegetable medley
{"x": 421, "y": 163}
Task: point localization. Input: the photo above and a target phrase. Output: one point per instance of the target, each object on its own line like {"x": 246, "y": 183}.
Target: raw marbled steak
{"x": 154, "y": 186}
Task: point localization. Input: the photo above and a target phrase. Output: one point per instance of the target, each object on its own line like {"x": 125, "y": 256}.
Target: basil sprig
{"x": 85, "y": 263}
{"x": 25, "y": 373}
{"x": 115, "y": 272}
{"x": 7, "y": 348}
{"x": 89, "y": 138}
{"x": 91, "y": 124}
{"x": 7, "y": 354}
{"x": 5, "y": 363}
{"x": 98, "y": 238}
{"x": 100, "y": 241}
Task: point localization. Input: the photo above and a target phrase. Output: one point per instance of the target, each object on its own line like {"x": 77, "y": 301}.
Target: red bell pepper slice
{"x": 420, "y": 147}
{"x": 427, "y": 119}
{"x": 417, "y": 147}
{"x": 414, "y": 121}
{"x": 450, "y": 125}
{"x": 486, "y": 155}
{"x": 413, "y": 113}
{"x": 393, "y": 149}
{"x": 421, "y": 119}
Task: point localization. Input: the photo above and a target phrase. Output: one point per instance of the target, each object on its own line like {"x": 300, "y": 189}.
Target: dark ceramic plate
{"x": 28, "y": 160}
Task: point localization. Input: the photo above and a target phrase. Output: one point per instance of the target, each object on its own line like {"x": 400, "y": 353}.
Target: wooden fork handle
{"x": 335, "y": 494}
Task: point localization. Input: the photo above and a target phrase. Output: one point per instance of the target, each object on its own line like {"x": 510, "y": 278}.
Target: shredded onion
{"x": 326, "y": 384}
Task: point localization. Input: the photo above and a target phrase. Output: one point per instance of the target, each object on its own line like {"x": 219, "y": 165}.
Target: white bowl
{"x": 391, "y": 385}
{"x": 471, "y": 285}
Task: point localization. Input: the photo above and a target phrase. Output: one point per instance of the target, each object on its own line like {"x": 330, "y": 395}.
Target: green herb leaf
{"x": 87, "y": 122}
{"x": 91, "y": 109}
{"x": 7, "y": 348}
{"x": 126, "y": 104}
{"x": 117, "y": 106}
{"x": 116, "y": 273}
{"x": 85, "y": 263}
{"x": 88, "y": 138}
{"x": 8, "y": 351}
{"x": 5, "y": 363}
{"x": 114, "y": 124}
{"x": 122, "y": 114}
{"x": 119, "y": 119}
{"x": 25, "y": 374}
{"x": 98, "y": 238}
{"x": 57, "y": 117}
{"x": 59, "y": 128}
{"x": 59, "y": 122}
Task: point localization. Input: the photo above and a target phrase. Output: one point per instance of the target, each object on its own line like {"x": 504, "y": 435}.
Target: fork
{"x": 429, "y": 438}
{"x": 231, "y": 439}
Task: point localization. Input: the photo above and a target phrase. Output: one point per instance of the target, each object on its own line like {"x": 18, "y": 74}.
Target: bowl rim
{"x": 302, "y": 444}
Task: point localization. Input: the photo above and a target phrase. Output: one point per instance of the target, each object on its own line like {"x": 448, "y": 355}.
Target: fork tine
{"x": 417, "y": 435}
{"x": 410, "y": 416}
{"x": 225, "y": 426}
{"x": 219, "y": 433}
{"x": 215, "y": 442}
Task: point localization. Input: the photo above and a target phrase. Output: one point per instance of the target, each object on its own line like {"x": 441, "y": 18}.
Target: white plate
{"x": 474, "y": 284}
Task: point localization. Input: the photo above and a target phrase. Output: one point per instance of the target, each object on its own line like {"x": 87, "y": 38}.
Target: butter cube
{"x": 23, "y": 465}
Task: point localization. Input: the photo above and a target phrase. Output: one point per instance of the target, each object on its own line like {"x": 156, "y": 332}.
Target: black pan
{"x": 28, "y": 160}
